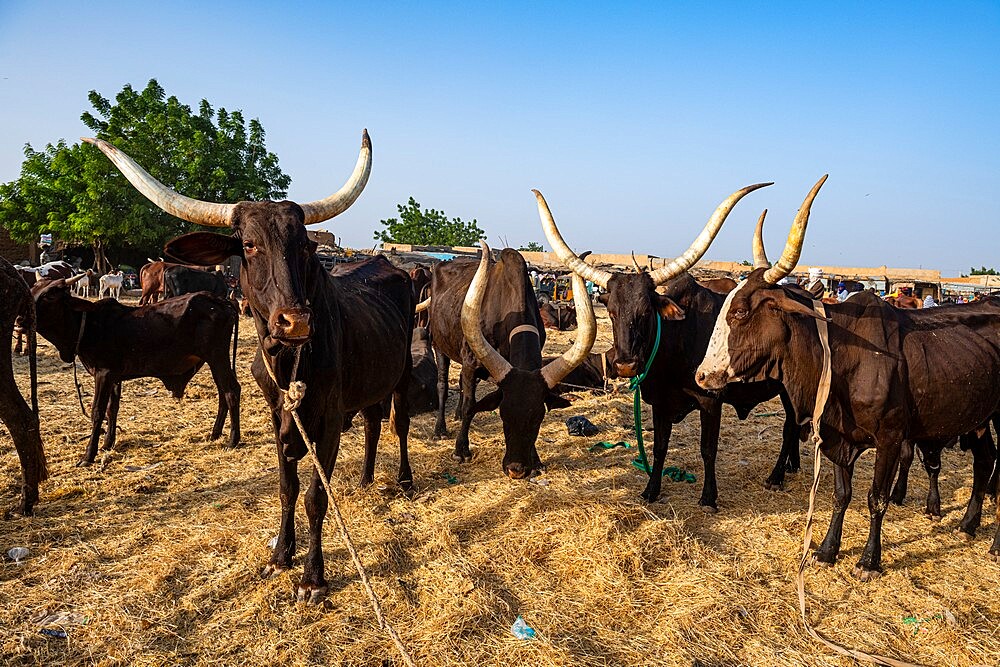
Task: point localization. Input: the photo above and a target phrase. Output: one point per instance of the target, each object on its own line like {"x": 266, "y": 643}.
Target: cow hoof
{"x": 968, "y": 537}
{"x": 932, "y": 517}
{"x": 708, "y": 509}
{"x": 83, "y": 463}
{"x": 995, "y": 555}
{"x": 271, "y": 569}
{"x": 463, "y": 457}
{"x": 310, "y": 594}
{"x": 774, "y": 486}
{"x": 864, "y": 574}
{"x": 649, "y": 496}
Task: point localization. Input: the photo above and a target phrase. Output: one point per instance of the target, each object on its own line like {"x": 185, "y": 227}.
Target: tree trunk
{"x": 101, "y": 264}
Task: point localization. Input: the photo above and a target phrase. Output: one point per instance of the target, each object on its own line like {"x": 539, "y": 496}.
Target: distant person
{"x": 929, "y": 301}
{"x": 960, "y": 299}
{"x": 841, "y": 292}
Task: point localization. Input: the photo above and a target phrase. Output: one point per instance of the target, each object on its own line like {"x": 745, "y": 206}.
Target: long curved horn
{"x": 487, "y": 355}
{"x": 72, "y": 280}
{"x": 340, "y": 201}
{"x": 701, "y": 243}
{"x": 423, "y": 305}
{"x": 185, "y": 208}
{"x": 586, "y": 333}
{"x": 563, "y": 251}
{"x": 759, "y": 256}
{"x": 638, "y": 269}
{"x": 796, "y": 236}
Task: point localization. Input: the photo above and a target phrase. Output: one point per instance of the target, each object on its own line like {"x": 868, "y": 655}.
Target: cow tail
{"x": 236, "y": 337}
{"x": 33, "y": 357}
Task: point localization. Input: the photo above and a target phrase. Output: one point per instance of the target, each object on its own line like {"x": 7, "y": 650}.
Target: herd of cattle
{"x": 369, "y": 338}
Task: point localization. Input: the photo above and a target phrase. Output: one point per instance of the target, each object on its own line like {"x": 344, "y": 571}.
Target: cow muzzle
{"x": 291, "y": 326}
{"x": 714, "y": 380}
{"x": 627, "y": 369}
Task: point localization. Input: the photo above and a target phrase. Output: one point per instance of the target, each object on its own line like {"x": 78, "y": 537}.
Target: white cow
{"x": 112, "y": 283}
{"x": 82, "y": 286}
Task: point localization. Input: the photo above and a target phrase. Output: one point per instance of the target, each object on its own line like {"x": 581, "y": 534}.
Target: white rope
{"x": 291, "y": 400}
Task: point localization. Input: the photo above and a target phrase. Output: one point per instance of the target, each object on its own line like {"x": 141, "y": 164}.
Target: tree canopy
{"x": 532, "y": 246}
{"x": 75, "y": 193}
{"x": 982, "y": 271}
{"x": 430, "y": 227}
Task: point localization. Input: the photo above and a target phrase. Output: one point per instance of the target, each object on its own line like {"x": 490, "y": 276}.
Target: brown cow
{"x": 351, "y": 332}
{"x": 151, "y": 281}
{"x": 484, "y": 315}
{"x": 924, "y": 375}
{"x": 557, "y": 316}
{"x": 21, "y": 421}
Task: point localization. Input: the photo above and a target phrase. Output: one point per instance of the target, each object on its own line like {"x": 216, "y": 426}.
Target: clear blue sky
{"x": 633, "y": 119}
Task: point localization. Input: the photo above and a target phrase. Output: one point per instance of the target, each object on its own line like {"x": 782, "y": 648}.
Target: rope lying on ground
{"x": 291, "y": 400}
{"x": 822, "y": 394}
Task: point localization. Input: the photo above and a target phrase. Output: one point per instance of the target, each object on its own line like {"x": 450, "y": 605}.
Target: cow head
{"x": 522, "y": 393}
{"x": 753, "y": 329}
{"x": 58, "y": 312}
{"x": 279, "y": 263}
{"x": 632, "y": 300}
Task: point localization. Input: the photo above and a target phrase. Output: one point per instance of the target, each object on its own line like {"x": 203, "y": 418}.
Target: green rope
{"x": 637, "y": 401}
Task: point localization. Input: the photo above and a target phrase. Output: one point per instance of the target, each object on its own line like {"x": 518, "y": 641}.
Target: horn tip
{"x": 366, "y": 141}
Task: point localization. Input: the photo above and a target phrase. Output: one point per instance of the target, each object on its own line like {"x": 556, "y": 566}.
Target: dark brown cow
{"x": 350, "y": 331}
{"x": 557, "y": 316}
{"x": 170, "y": 340}
{"x": 421, "y": 279}
{"x": 687, "y": 313}
{"x": 924, "y": 375}
{"x": 21, "y": 421}
{"x": 593, "y": 373}
{"x": 179, "y": 279}
{"x": 501, "y": 337}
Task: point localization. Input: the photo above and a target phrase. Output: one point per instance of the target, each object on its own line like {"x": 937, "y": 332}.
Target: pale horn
{"x": 77, "y": 278}
{"x": 563, "y": 251}
{"x": 586, "y": 332}
{"x": 759, "y": 256}
{"x": 185, "y": 208}
{"x": 701, "y": 243}
{"x": 339, "y": 201}
{"x": 796, "y": 236}
{"x": 423, "y": 305}
{"x": 487, "y": 355}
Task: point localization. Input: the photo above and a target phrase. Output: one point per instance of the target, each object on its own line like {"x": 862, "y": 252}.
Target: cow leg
{"x": 399, "y": 420}
{"x": 229, "y": 400}
{"x": 288, "y": 492}
{"x": 462, "y": 452}
{"x": 843, "y": 489}
{"x": 313, "y": 586}
{"x": 886, "y": 462}
{"x": 711, "y": 420}
{"x": 23, "y": 426}
{"x": 983, "y": 460}
{"x": 102, "y": 394}
{"x": 114, "y": 402}
{"x": 662, "y": 428}
{"x": 905, "y": 461}
{"x": 443, "y": 362}
{"x": 932, "y": 464}
{"x": 373, "y": 429}
{"x": 788, "y": 458}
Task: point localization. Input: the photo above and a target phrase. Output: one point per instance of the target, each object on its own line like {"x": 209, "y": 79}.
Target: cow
{"x": 484, "y": 315}
{"x": 420, "y": 276}
{"x": 151, "y": 280}
{"x": 81, "y": 288}
{"x": 170, "y": 341}
{"x": 924, "y": 375}
{"x": 593, "y": 373}
{"x": 350, "y": 332}
{"x": 687, "y": 312}
{"x": 179, "y": 279}
{"x": 58, "y": 269}
{"x": 112, "y": 284}
{"x": 20, "y": 420}
{"x": 905, "y": 301}
{"x": 557, "y": 316}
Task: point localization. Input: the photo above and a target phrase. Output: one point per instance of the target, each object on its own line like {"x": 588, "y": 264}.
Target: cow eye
{"x": 249, "y": 247}
{"x": 740, "y": 313}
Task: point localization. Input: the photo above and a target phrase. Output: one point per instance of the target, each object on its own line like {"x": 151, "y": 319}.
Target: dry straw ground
{"x": 159, "y": 547}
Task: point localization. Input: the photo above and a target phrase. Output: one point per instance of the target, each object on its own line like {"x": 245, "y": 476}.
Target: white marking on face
{"x": 716, "y": 361}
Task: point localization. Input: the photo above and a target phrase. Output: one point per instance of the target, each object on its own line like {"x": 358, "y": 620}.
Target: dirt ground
{"x": 158, "y": 548}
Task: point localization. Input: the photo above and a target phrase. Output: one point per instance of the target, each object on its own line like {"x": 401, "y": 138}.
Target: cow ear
{"x": 603, "y": 298}
{"x": 792, "y": 306}
{"x": 203, "y": 248}
{"x": 555, "y": 401}
{"x": 489, "y": 402}
{"x": 668, "y": 309}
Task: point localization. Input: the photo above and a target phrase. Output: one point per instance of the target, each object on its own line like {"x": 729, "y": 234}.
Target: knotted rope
{"x": 291, "y": 400}
{"x": 637, "y": 401}
{"x": 822, "y": 395}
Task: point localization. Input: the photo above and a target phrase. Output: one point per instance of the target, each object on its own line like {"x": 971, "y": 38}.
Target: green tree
{"x": 532, "y": 246}
{"x": 77, "y": 194}
{"x": 983, "y": 271}
{"x": 430, "y": 227}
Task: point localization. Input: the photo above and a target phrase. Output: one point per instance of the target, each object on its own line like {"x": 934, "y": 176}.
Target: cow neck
{"x": 801, "y": 368}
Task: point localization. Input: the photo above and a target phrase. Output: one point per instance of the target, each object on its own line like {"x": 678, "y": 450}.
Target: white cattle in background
{"x": 82, "y": 286}
{"x": 112, "y": 283}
